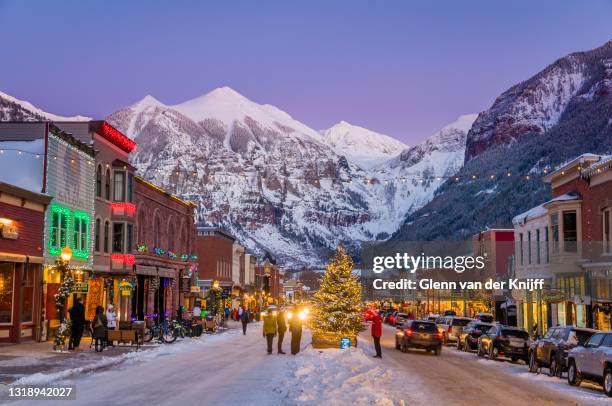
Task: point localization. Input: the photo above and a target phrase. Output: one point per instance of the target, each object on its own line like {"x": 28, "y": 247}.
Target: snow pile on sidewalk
{"x": 143, "y": 355}
{"x": 338, "y": 377}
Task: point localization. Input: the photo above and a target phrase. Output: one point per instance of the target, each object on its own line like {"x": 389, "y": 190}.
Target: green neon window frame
{"x": 59, "y": 226}
{"x": 81, "y": 237}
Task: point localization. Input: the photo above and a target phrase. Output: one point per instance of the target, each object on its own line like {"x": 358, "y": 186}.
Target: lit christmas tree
{"x": 337, "y": 304}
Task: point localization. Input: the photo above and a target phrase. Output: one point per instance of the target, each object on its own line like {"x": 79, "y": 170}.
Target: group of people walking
{"x": 275, "y": 322}
{"x": 101, "y": 323}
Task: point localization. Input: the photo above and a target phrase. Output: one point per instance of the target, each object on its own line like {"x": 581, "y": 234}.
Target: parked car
{"x": 592, "y": 362}
{"x": 452, "y": 326}
{"x": 504, "y": 341}
{"x": 391, "y": 318}
{"x": 419, "y": 334}
{"x": 552, "y": 349}
{"x": 431, "y": 317}
{"x": 468, "y": 337}
{"x": 401, "y": 319}
{"x": 486, "y": 317}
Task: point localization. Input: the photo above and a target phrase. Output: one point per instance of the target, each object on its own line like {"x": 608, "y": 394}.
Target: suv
{"x": 452, "y": 326}
{"x": 419, "y": 334}
{"x": 401, "y": 319}
{"x": 504, "y": 341}
{"x": 551, "y": 350}
{"x": 592, "y": 362}
{"x": 485, "y": 317}
{"x": 468, "y": 338}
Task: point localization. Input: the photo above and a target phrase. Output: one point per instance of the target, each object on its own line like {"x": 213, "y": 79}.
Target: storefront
{"x": 21, "y": 235}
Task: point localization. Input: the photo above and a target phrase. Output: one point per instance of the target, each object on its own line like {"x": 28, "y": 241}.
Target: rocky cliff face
{"x": 538, "y": 104}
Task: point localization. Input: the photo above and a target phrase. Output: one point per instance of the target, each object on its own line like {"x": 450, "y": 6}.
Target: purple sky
{"x": 403, "y": 68}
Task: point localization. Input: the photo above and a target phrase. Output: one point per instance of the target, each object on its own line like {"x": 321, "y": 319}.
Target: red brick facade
{"x": 215, "y": 250}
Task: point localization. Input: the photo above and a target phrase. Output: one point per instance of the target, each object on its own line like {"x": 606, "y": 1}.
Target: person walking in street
{"x": 111, "y": 316}
{"x": 295, "y": 324}
{"x": 77, "y": 319}
{"x": 281, "y": 326}
{"x": 196, "y": 314}
{"x": 269, "y": 328}
{"x": 244, "y": 318}
{"x": 98, "y": 326}
{"x": 377, "y": 333}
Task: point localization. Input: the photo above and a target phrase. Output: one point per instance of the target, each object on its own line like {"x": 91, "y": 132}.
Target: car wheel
{"x": 533, "y": 363}
{"x": 479, "y": 351}
{"x": 607, "y": 382}
{"x": 404, "y": 346}
{"x": 573, "y": 376}
{"x": 437, "y": 351}
{"x": 458, "y": 344}
{"x": 397, "y": 344}
{"x": 514, "y": 360}
{"x": 552, "y": 366}
{"x": 466, "y": 346}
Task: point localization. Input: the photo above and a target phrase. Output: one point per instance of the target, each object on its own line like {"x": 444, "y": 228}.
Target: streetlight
{"x": 216, "y": 284}
{"x": 66, "y": 254}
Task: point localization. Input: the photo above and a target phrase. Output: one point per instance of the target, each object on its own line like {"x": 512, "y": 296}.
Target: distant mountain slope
{"x": 13, "y": 109}
{"x": 364, "y": 147}
{"x": 571, "y": 122}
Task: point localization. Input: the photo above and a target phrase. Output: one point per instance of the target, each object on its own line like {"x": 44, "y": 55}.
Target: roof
{"x": 24, "y": 194}
{"x": 541, "y": 209}
{"x": 215, "y": 230}
{"x": 603, "y": 164}
{"x": 162, "y": 191}
{"x": 113, "y": 135}
{"x": 565, "y": 167}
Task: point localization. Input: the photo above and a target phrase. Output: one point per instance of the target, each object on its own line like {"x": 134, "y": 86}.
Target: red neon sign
{"x": 123, "y": 209}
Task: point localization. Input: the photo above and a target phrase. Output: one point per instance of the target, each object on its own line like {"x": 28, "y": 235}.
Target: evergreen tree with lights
{"x": 337, "y": 304}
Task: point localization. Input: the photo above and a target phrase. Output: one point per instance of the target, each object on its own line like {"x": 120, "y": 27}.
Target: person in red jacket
{"x": 376, "y": 333}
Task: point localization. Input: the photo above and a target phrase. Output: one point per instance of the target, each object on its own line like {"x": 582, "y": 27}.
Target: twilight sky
{"x": 404, "y": 68}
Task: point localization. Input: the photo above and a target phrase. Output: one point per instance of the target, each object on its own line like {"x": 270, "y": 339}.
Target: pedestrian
{"x": 244, "y": 318}
{"x": 77, "y": 319}
{"x": 269, "y": 328}
{"x": 295, "y": 324}
{"x": 197, "y": 312}
{"x": 281, "y": 327}
{"x": 376, "y": 333}
{"x": 111, "y": 317}
{"x": 98, "y": 326}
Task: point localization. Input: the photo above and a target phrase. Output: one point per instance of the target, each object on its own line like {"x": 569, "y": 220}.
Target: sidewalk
{"x": 26, "y": 359}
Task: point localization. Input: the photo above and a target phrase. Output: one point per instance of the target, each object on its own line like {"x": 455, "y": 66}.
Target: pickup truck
{"x": 592, "y": 362}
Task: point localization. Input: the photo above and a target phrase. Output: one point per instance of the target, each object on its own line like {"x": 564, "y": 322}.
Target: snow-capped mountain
{"x": 13, "y": 109}
{"x": 272, "y": 181}
{"x": 537, "y": 104}
{"x": 364, "y": 147}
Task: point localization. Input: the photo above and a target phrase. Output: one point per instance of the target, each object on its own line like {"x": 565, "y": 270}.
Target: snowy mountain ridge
{"x": 13, "y": 109}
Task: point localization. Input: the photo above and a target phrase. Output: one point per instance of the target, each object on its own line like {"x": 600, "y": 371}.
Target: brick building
{"x": 165, "y": 240}
{"x": 22, "y": 218}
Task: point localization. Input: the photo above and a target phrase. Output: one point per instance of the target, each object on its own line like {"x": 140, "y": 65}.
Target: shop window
{"x": 27, "y": 295}
{"x": 607, "y": 231}
{"x": 554, "y": 228}
{"x": 107, "y": 180}
{"x": 118, "y": 237}
{"x": 58, "y": 233}
{"x": 7, "y": 275}
{"x": 119, "y": 186}
{"x": 570, "y": 231}
{"x": 106, "y": 236}
{"x": 80, "y": 235}
{"x": 97, "y": 236}
{"x": 99, "y": 181}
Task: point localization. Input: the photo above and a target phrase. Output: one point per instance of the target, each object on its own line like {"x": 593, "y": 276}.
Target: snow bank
{"x": 338, "y": 377}
{"x": 144, "y": 355}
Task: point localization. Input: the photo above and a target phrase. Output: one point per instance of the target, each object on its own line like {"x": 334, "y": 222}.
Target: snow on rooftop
{"x": 23, "y": 170}
{"x": 541, "y": 210}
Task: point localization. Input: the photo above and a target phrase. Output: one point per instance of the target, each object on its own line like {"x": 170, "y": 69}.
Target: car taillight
{"x": 450, "y": 329}
{"x": 440, "y": 335}
{"x": 409, "y": 332}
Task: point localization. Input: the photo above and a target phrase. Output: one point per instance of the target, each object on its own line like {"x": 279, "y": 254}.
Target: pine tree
{"x": 337, "y": 304}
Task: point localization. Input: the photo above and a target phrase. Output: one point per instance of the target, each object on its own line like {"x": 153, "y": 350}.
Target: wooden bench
{"x": 125, "y": 337}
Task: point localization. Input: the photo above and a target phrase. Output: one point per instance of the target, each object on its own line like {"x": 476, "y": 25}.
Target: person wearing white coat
{"x": 111, "y": 317}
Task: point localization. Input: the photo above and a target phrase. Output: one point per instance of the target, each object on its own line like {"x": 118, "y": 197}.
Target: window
{"x": 538, "y": 259}
{"x": 529, "y": 247}
{"x": 595, "y": 341}
{"x": 106, "y": 231}
{"x": 58, "y": 237}
{"x": 119, "y": 186}
{"x": 547, "y": 258}
{"x": 128, "y": 241}
{"x": 27, "y": 295}
{"x": 99, "y": 181}
{"x": 130, "y": 188}
{"x": 97, "y": 236}
{"x": 118, "y": 237}
{"x": 607, "y": 231}
{"x": 522, "y": 253}
{"x": 570, "y": 231}
{"x": 7, "y": 274}
{"x": 607, "y": 341}
{"x": 80, "y": 234}
{"x": 554, "y": 228}
{"x": 107, "y": 181}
